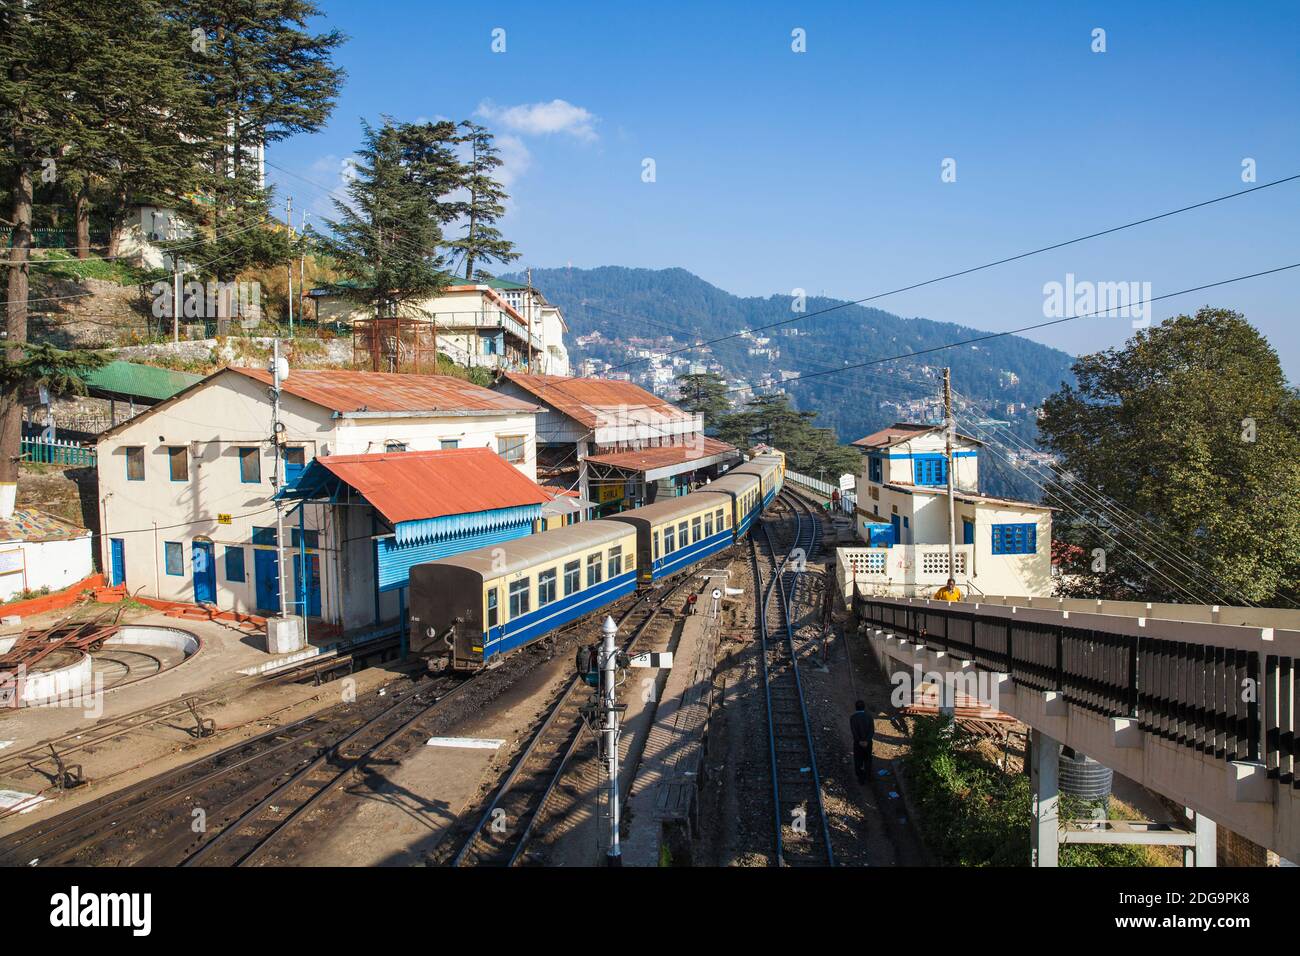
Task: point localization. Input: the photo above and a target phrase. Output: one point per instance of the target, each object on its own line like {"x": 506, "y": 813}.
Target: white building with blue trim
{"x": 1003, "y": 545}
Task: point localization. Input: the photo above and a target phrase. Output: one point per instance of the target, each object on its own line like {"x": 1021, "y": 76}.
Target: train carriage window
{"x": 572, "y": 577}
{"x": 708, "y": 525}
{"x": 684, "y": 533}
{"x": 518, "y": 599}
{"x": 668, "y": 540}
{"x": 593, "y": 568}
{"x": 546, "y": 587}
{"x": 717, "y": 516}
{"x": 695, "y": 530}
{"x": 615, "y": 561}
{"x": 492, "y": 607}
{"x": 656, "y": 540}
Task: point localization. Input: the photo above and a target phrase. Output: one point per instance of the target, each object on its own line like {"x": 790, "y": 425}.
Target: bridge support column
{"x": 1044, "y": 770}
{"x": 1205, "y": 851}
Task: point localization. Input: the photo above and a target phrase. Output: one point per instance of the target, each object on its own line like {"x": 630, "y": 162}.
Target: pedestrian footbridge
{"x": 1204, "y": 713}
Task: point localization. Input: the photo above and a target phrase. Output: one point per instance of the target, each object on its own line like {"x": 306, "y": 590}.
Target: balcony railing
{"x": 488, "y": 319}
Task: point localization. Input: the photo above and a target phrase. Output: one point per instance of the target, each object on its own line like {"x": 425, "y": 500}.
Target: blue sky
{"x": 777, "y": 170}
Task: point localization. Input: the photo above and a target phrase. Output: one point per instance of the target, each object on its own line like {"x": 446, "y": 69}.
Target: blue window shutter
{"x": 234, "y": 564}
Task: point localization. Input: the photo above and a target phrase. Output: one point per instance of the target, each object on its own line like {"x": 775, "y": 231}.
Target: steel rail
{"x": 208, "y": 848}
{"x": 507, "y": 785}
{"x": 776, "y": 581}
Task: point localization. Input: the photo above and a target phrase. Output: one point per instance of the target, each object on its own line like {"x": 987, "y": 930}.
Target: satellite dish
{"x": 716, "y": 594}
{"x": 279, "y": 368}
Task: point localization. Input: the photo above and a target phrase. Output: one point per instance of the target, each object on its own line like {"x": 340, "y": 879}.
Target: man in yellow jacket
{"x": 948, "y": 592}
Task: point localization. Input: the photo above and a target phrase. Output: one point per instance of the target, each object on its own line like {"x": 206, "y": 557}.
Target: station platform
{"x": 663, "y": 792}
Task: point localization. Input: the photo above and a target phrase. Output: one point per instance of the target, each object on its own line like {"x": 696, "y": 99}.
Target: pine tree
{"x": 704, "y": 393}
{"x": 66, "y": 111}
{"x": 482, "y": 241}
{"x": 264, "y": 76}
{"x": 386, "y": 239}
{"x": 147, "y": 117}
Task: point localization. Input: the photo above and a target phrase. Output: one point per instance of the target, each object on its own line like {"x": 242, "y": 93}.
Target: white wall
{"x": 214, "y": 421}
{"x": 48, "y": 564}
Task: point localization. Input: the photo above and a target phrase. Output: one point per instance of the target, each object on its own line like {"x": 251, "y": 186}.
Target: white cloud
{"x": 543, "y": 119}
{"x": 515, "y": 159}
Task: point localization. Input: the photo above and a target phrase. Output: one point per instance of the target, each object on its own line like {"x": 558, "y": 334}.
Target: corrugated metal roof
{"x": 895, "y": 433}
{"x": 349, "y": 393}
{"x": 145, "y": 382}
{"x": 901, "y": 432}
{"x": 415, "y": 485}
{"x": 591, "y": 400}
{"x": 649, "y": 459}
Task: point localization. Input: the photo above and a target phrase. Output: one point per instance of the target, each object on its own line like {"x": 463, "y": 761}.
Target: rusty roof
{"x": 663, "y": 456}
{"x": 900, "y": 432}
{"x": 414, "y": 485}
{"x": 375, "y": 393}
{"x": 592, "y": 400}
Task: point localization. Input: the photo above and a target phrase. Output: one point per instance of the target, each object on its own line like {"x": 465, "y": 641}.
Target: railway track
{"x": 504, "y": 828}
{"x": 183, "y": 713}
{"x": 802, "y": 833}
{"x": 172, "y": 817}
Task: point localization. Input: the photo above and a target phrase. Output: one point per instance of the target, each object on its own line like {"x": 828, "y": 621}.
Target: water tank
{"x": 1083, "y": 777}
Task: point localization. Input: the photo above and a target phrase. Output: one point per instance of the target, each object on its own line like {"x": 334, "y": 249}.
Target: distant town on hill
{"x": 638, "y": 324}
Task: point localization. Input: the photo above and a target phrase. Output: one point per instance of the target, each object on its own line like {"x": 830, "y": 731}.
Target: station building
{"x": 396, "y": 510}
{"x": 1003, "y": 545}
{"x": 186, "y": 487}
{"x": 616, "y": 444}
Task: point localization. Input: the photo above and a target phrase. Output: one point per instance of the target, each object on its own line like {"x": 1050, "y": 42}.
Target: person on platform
{"x": 949, "y": 592}
{"x": 863, "y": 728}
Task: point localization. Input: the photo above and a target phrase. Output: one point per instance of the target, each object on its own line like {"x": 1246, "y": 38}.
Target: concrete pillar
{"x": 584, "y": 487}
{"x": 1205, "y": 852}
{"x": 1044, "y": 769}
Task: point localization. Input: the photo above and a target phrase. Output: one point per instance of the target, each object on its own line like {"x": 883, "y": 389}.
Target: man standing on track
{"x": 863, "y": 729}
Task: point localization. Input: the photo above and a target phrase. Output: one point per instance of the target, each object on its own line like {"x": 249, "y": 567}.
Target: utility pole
{"x": 609, "y": 708}
{"x": 279, "y": 371}
{"x": 176, "y": 298}
{"x": 529, "y": 303}
{"x": 949, "y": 434}
{"x": 302, "y": 262}
{"x": 288, "y": 221}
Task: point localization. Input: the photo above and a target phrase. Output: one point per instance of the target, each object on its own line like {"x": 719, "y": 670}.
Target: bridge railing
{"x": 1222, "y": 700}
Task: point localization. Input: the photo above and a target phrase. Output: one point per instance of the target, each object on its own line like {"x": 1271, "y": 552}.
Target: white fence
{"x": 848, "y": 499}
{"x": 907, "y": 570}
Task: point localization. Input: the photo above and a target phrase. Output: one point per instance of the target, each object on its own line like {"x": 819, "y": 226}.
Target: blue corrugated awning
{"x": 449, "y": 526}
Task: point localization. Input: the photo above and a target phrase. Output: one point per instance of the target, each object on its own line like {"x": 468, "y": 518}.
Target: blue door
{"x": 313, "y": 583}
{"x": 898, "y": 528}
{"x": 117, "y": 561}
{"x": 266, "y": 583}
{"x": 205, "y": 573}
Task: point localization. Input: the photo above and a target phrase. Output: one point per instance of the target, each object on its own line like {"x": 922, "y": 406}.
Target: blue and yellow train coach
{"x": 673, "y": 534}
{"x": 770, "y": 470}
{"x": 483, "y": 603}
{"x": 744, "y": 498}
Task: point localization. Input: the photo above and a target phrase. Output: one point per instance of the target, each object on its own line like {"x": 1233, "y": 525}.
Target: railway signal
{"x": 609, "y": 706}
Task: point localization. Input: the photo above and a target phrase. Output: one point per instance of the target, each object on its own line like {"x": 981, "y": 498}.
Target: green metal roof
{"x": 145, "y": 382}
